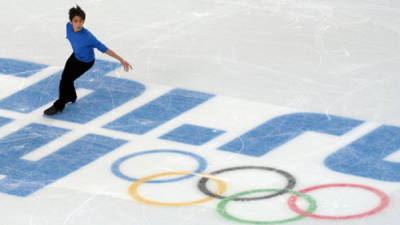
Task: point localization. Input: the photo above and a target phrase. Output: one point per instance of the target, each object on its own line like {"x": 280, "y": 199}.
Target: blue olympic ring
{"x": 115, "y": 168}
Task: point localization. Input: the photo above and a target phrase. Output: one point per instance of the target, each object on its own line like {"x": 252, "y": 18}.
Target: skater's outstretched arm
{"x": 120, "y": 59}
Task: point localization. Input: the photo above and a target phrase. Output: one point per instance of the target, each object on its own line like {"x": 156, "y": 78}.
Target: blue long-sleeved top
{"x": 83, "y": 43}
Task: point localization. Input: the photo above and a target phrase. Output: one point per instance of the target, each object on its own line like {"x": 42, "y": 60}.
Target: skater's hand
{"x": 120, "y": 59}
{"x": 126, "y": 65}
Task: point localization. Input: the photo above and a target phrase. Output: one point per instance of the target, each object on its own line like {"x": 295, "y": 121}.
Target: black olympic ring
{"x": 290, "y": 184}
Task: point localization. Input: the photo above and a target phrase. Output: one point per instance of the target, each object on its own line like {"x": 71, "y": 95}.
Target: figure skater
{"x": 82, "y": 59}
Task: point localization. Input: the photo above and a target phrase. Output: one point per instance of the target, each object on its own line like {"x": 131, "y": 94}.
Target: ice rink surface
{"x": 236, "y": 112}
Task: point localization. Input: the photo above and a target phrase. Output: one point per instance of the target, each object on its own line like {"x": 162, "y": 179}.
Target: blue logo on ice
{"x": 21, "y": 177}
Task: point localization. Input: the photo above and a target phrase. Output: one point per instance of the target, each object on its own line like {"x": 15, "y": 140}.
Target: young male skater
{"x": 82, "y": 59}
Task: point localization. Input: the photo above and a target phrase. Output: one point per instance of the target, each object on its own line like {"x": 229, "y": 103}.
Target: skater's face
{"x": 77, "y": 23}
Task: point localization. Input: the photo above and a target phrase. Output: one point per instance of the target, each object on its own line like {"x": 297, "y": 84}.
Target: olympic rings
{"x": 133, "y": 190}
{"x": 222, "y": 206}
{"x": 201, "y": 161}
{"x": 291, "y": 182}
{"x": 383, "y": 204}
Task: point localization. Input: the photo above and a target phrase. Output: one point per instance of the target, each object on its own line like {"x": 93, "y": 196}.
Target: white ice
{"x": 261, "y": 58}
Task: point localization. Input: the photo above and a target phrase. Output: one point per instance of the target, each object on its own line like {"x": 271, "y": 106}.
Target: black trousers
{"x": 73, "y": 70}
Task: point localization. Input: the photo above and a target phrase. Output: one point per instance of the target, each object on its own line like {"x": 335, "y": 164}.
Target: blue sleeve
{"x": 97, "y": 44}
{"x": 68, "y": 28}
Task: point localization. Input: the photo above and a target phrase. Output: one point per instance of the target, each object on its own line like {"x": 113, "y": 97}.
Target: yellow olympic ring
{"x": 133, "y": 189}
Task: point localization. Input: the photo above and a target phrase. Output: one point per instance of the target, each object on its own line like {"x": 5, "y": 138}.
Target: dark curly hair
{"x": 76, "y": 11}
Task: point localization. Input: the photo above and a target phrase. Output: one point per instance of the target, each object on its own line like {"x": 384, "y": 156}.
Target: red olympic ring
{"x": 384, "y": 202}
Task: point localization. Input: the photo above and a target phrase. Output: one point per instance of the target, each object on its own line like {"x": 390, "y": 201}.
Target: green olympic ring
{"x": 222, "y": 207}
